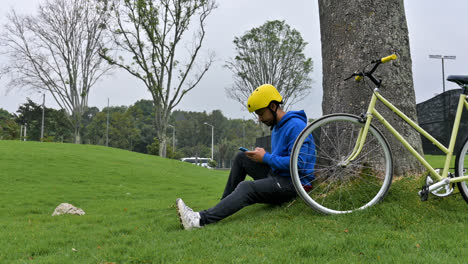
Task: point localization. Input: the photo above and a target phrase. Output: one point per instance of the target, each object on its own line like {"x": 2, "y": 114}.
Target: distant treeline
{"x": 132, "y": 128}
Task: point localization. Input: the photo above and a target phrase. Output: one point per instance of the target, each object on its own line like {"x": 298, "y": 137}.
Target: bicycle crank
{"x": 438, "y": 189}
{"x": 442, "y": 191}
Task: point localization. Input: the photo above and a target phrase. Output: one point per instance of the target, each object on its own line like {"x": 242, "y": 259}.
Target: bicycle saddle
{"x": 458, "y": 79}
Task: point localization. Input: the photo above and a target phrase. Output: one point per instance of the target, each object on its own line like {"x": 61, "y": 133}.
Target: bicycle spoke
{"x": 341, "y": 185}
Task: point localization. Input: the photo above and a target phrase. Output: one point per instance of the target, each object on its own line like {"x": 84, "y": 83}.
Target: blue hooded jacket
{"x": 283, "y": 136}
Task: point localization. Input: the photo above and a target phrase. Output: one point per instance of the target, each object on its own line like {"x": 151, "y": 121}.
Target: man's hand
{"x": 256, "y": 155}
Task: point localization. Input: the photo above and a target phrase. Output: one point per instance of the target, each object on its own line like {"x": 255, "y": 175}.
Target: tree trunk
{"x": 77, "y": 134}
{"x": 161, "y": 125}
{"x": 353, "y": 33}
{"x": 163, "y": 146}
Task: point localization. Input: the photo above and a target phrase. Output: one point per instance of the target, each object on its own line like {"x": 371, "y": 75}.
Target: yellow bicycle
{"x": 353, "y": 164}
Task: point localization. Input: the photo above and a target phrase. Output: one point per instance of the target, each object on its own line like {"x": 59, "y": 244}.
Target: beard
{"x": 268, "y": 123}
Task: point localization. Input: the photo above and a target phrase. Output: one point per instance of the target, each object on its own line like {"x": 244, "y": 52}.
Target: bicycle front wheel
{"x": 331, "y": 185}
{"x": 461, "y": 165}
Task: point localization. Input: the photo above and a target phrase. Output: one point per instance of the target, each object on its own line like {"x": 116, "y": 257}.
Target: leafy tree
{"x": 56, "y": 124}
{"x": 212, "y": 164}
{"x": 4, "y": 114}
{"x": 144, "y": 139}
{"x": 153, "y": 149}
{"x": 354, "y": 33}
{"x": 122, "y": 130}
{"x": 244, "y": 130}
{"x": 225, "y": 148}
{"x": 9, "y": 129}
{"x": 272, "y": 53}
{"x": 150, "y": 33}
{"x": 97, "y": 129}
{"x": 87, "y": 118}
{"x": 30, "y": 115}
{"x": 194, "y": 138}
{"x": 89, "y": 114}
{"x": 57, "y": 51}
{"x": 133, "y": 123}
{"x": 191, "y": 131}
{"x": 171, "y": 154}
{"x": 143, "y": 117}
{"x": 146, "y": 107}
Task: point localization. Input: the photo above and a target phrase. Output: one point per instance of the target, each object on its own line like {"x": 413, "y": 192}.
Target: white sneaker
{"x": 188, "y": 218}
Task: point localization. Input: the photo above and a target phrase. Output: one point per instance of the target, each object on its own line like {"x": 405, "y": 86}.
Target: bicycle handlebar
{"x": 358, "y": 75}
{"x": 388, "y": 58}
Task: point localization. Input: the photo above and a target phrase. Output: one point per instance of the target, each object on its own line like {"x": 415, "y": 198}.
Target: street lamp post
{"x": 442, "y": 58}
{"x": 43, "y": 111}
{"x": 212, "y": 138}
{"x": 173, "y": 137}
{"x": 107, "y": 126}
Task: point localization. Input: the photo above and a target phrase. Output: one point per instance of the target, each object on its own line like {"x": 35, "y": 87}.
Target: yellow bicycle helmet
{"x": 262, "y": 97}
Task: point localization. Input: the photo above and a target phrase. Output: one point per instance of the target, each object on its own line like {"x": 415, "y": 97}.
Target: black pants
{"x": 266, "y": 188}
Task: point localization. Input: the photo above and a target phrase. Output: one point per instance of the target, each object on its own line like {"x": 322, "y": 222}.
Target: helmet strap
{"x": 275, "y": 121}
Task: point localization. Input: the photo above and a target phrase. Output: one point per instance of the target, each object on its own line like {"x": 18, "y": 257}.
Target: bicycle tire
{"x": 461, "y": 167}
{"x": 339, "y": 189}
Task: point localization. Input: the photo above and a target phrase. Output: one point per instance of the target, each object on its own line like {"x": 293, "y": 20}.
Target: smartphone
{"x": 243, "y": 149}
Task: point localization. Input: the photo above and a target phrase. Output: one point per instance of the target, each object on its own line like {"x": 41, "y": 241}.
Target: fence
{"x": 437, "y": 115}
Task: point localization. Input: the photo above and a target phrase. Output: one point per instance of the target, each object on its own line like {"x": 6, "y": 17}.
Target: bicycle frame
{"x": 371, "y": 112}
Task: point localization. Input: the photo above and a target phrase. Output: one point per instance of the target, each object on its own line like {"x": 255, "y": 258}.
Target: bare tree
{"x": 149, "y": 35}
{"x": 272, "y": 53}
{"x": 353, "y": 33}
{"x": 57, "y": 51}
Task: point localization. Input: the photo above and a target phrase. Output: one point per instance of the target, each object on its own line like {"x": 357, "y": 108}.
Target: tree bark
{"x": 354, "y": 33}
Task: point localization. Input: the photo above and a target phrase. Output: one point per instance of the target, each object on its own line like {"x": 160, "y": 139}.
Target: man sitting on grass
{"x": 272, "y": 180}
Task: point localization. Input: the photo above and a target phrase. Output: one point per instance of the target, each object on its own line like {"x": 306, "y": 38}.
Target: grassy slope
{"x": 130, "y": 216}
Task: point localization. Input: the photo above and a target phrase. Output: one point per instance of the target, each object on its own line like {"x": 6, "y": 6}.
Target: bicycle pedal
{"x": 424, "y": 193}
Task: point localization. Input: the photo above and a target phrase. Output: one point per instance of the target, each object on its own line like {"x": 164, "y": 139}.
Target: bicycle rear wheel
{"x": 336, "y": 187}
{"x": 461, "y": 166}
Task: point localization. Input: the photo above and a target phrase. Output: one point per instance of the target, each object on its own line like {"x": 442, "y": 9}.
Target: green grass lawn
{"x": 439, "y": 161}
{"x": 129, "y": 200}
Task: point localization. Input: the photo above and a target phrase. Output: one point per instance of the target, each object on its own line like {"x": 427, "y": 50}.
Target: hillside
{"x": 130, "y": 216}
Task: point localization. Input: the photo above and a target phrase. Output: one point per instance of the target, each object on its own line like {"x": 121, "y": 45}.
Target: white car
{"x": 203, "y": 162}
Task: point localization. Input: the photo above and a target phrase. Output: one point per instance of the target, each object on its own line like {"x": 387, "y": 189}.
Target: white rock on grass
{"x": 66, "y": 208}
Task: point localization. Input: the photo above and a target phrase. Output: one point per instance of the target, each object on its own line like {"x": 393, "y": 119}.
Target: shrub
{"x": 153, "y": 149}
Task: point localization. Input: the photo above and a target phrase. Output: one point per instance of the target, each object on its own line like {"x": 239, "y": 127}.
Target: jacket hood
{"x": 292, "y": 114}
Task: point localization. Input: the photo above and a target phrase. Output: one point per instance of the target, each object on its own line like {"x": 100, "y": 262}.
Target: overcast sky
{"x": 435, "y": 27}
